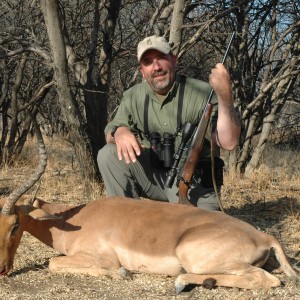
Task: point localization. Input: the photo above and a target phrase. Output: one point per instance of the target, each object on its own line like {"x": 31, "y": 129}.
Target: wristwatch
{"x": 113, "y": 131}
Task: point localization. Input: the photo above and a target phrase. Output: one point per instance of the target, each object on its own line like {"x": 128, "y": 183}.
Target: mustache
{"x": 157, "y": 73}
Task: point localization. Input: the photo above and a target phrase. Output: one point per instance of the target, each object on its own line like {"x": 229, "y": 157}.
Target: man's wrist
{"x": 113, "y": 131}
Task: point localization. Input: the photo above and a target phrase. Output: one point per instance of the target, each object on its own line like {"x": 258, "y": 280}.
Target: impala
{"x": 116, "y": 236}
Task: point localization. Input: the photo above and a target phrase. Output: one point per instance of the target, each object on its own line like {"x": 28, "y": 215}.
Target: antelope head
{"x": 10, "y": 218}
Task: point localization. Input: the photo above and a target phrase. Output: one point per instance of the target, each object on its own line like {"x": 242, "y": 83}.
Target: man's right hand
{"x": 126, "y": 143}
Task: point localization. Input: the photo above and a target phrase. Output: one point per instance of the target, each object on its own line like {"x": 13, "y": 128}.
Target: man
{"x": 162, "y": 104}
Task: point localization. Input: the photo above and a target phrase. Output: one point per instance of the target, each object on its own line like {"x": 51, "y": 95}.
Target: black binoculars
{"x": 161, "y": 149}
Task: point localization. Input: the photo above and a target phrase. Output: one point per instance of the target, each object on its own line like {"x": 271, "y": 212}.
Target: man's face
{"x": 159, "y": 70}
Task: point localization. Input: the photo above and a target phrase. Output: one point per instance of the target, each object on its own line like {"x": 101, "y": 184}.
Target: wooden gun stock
{"x": 193, "y": 155}
{"x": 196, "y": 145}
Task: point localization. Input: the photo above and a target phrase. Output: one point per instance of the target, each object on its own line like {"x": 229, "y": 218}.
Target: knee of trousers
{"x": 106, "y": 155}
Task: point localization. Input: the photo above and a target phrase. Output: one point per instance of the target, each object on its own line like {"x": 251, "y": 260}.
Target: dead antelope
{"x": 113, "y": 235}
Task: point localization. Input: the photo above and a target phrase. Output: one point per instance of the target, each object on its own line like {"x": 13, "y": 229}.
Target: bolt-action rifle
{"x": 194, "y": 149}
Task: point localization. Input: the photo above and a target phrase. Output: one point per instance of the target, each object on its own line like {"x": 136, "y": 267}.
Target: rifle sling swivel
{"x": 183, "y": 180}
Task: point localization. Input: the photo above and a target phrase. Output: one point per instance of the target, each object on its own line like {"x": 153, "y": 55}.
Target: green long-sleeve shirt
{"x": 162, "y": 113}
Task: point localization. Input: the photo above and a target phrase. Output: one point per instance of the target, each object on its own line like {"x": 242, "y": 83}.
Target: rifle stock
{"x": 193, "y": 155}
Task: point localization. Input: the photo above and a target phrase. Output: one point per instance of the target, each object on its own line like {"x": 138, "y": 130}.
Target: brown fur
{"x": 113, "y": 234}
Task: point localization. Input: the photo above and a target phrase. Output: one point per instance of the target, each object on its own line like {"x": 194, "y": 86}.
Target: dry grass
{"x": 269, "y": 200}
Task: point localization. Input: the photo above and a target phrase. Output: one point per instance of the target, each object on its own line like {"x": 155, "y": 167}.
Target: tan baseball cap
{"x": 158, "y": 43}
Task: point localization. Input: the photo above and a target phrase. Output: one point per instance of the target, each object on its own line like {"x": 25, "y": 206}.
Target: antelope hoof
{"x": 125, "y": 273}
{"x": 179, "y": 287}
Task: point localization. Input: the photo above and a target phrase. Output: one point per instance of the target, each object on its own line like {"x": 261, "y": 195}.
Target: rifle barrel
{"x": 223, "y": 61}
{"x": 228, "y": 47}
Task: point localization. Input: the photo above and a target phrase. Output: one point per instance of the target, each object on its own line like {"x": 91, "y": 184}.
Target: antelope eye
{"x": 14, "y": 228}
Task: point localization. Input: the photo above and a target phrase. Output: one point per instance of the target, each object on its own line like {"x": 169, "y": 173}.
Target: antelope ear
{"x": 40, "y": 214}
{"x": 37, "y": 213}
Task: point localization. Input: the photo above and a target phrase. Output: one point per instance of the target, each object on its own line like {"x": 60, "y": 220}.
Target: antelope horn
{"x": 17, "y": 193}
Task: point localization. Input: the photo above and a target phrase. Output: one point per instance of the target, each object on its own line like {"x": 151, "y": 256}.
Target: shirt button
{"x": 166, "y": 124}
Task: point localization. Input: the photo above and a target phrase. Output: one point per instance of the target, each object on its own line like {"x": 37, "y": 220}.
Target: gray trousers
{"x": 140, "y": 179}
